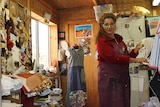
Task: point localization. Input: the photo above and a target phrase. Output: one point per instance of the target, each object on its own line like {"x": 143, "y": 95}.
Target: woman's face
{"x": 109, "y": 26}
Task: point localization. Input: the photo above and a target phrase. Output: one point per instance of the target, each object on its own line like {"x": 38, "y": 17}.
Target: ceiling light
{"x": 155, "y": 2}
{"x": 140, "y": 10}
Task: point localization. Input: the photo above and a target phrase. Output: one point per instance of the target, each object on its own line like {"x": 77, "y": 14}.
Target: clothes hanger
{"x": 75, "y": 46}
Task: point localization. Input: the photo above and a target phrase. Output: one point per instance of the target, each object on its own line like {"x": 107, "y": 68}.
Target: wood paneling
{"x": 40, "y": 7}
{"x": 70, "y": 4}
{"x": 24, "y": 3}
{"x": 126, "y": 5}
{"x": 53, "y": 44}
{"x": 85, "y": 13}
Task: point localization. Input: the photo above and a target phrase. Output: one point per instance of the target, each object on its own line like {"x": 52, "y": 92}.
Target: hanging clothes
{"x": 155, "y": 54}
{"x": 9, "y": 84}
{"x": 155, "y": 63}
{"x": 76, "y": 87}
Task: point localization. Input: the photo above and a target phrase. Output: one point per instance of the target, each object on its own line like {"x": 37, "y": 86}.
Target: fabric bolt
{"x": 34, "y": 82}
{"x": 113, "y": 72}
{"x": 154, "y": 61}
{"x": 76, "y": 76}
{"x": 27, "y": 101}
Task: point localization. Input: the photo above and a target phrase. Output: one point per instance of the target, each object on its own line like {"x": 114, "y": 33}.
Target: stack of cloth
{"x": 9, "y": 84}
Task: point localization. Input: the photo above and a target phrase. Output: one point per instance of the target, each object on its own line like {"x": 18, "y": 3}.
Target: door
{"x": 90, "y": 63}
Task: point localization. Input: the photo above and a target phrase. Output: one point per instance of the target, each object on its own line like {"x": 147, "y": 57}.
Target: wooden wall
{"x": 88, "y": 12}
{"x": 39, "y": 7}
{"x": 126, "y": 5}
{"x": 74, "y": 14}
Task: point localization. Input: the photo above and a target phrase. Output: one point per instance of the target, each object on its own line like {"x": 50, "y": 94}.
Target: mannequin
{"x": 75, "y": 46}
{"x": 76, "y": 84}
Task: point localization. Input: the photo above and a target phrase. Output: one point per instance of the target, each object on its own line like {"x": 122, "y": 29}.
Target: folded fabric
{"x": 34, "y": 82}
{"x": 8, "y": 84}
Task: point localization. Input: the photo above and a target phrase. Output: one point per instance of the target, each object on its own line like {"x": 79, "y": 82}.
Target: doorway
{"x": 90, "y": 63}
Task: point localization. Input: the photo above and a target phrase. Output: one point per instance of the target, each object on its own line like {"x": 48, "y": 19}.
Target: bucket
{"x": 100, "y": 9}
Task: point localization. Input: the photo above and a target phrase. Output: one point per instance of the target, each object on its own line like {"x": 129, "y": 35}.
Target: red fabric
{"x": 34, "y": 82}
{"x": 25, "y": 75}
{"x": 24, "y": 90}
{"x": 27, "y": 102}
{"x": 10, "y": 44}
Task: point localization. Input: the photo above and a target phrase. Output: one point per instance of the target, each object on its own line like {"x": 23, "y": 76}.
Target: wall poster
{"x": 83, "y": 31}
{"x": 152, "y": 23}
{"x": 86, "y": 44}
{"x": 61, "y": 35}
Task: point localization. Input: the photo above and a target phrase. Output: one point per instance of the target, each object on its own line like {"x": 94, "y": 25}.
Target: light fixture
{"x": 47, "y": 17}
{"x": 155, "y": 2}
{"x": 140, "y": 10}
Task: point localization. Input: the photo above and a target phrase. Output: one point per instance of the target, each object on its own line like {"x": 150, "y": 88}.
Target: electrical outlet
{"x": 126, "y": 25}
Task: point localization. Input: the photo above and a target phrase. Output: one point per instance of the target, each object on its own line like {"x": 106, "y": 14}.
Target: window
{"x": 40, "y": 42}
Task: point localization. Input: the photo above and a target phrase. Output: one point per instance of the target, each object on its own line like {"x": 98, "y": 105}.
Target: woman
{"x": 114, "y": 59}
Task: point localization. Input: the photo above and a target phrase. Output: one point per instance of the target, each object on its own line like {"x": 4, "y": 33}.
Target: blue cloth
{"x": 155, "y": 54}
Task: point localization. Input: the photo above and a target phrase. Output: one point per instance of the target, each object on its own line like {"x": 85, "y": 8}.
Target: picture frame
{"x": 13, "y": 9}
{"x": 61, "y": 35}
{"x": 152, "y": 23}
{"x": 21, "y": 13}
{"x": 83, "y": 31}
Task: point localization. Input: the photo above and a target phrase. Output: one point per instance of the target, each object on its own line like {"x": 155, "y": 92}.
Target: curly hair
{"x": 101, "y": 22}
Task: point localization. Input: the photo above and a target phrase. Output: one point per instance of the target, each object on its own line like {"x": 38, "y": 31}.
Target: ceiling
{"x": 67, "y": 4}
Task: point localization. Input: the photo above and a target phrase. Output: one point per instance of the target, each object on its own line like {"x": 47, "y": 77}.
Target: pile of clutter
{"x": 53, "y": 99}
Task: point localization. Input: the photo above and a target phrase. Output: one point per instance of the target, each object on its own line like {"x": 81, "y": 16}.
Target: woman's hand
{"x": 137, "y": 60}
{"x": 138, "y": 47}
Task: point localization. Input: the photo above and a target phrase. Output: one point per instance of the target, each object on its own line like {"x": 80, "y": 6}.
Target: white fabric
{"x": 9, "y": 84}
{"x": 154, "y": 102}
{"x": 11, "y": 105}
{"x": 10, "y": 64}
{"x": 145, "y": 51}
